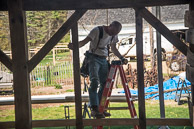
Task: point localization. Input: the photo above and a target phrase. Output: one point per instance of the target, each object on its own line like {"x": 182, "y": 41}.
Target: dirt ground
{"x": 51, "y": 90}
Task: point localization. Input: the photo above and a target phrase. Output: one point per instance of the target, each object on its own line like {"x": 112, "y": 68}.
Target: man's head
{"x": 114, "y": 28}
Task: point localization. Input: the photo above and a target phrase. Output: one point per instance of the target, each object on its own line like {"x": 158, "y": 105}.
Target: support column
{"x": 77, "y": 80}
{"x": 159, "y": 60}
{"x": 21, "y": 81}
{"x": 189, "y": 22}
{"x": 140, "y": 70}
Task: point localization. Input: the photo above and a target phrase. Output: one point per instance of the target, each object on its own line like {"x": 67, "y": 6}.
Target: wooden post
{"x": 140, "y": 71}
{"x": 189, "y": 22}
{"x": 77, "y": 80}
{"x": 191, "y": 8}
{"x": 54, "y": 56}
{"x": 151, "y": 43}
{"x": 159, "y": 60}
{"x": 19, "y": 46}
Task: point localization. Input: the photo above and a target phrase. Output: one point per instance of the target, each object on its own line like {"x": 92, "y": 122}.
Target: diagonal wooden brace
{"x": 6, "y": 60}
{"x": 55, "y": 39}
{"x": 160, "y": 27}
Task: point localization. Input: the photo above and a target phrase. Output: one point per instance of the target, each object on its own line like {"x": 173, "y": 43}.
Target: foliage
{"x": 41, "y": 25}
{"x": 4, "y": 31}
{"x": 70, "y": 90}
{"x": 58, "y": 86}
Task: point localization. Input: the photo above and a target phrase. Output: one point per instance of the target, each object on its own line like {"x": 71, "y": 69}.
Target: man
{"x": 98, "y": 65}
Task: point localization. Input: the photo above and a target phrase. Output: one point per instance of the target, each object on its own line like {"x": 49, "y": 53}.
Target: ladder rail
{"x": 108, "y": 90}
{"x": 127, "y": 93}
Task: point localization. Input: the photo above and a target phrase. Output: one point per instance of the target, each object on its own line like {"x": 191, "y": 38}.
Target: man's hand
{"x": 70, "y": 46}
{"x": 81, "y": 43}
{"x": 124, "y": 60}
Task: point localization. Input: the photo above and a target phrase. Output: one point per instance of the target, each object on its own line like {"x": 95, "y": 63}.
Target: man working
{"x": 98, "y": 65}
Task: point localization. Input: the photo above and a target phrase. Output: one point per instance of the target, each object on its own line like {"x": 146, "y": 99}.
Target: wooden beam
{"x": 6, "y": 60}
{"x": 21, "y": 81}
{"x": 63, "y": 30}
{"x": 159, "y": 66}
{"x": 160, "y": 27}
{"x": 34, "y": 5}
{"x": 191, "y": 47}
{"x": 140, "y": 69}
{"x": 3, "y": 5}
{"x": 104, "y": 122}
{"x": 77, "y": 80}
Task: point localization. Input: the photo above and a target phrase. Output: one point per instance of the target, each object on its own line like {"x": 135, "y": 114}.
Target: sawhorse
{"x": 183, "y": 87}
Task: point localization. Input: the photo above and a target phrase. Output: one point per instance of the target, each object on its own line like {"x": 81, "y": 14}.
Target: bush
{"x": 58, "y": 86}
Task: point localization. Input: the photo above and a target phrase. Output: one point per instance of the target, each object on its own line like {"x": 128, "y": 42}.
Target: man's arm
{"x": 81, "y": 43}
{"x": 117, "y": 53}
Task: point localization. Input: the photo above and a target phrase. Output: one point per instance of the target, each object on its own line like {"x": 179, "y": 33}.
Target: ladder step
{"x": 108, "y": 89}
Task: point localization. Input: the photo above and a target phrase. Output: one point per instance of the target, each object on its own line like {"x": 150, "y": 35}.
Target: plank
{"x": 104, "y": 122}
{"x": 160, "y": 27}
{"x": 63, "y": 30}
{"x": 6, "y": 60}
{"x": 140, "y": 74}
{"x": 40, "y": 5}
{"x": 21, "y": 81}
{"x": 77, "y": 79}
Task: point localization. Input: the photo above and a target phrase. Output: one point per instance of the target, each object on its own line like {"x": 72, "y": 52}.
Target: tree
{"x": 4, "y": 31}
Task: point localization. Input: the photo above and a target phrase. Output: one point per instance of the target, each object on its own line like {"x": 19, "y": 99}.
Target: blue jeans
{"x": 98, "y": 72}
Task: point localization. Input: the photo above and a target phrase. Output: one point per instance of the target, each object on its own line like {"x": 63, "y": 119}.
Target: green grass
{"x": 59, "y": 56}
{"x": 70, "y": 90}
{"x": 49, "y": 74}
{"x": 152, "y": 111}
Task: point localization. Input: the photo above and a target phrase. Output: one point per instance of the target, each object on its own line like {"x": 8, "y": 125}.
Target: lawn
{"x": 57, "y": 112}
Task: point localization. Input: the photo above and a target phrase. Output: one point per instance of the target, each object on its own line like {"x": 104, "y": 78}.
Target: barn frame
{"x": 21, "y": 66}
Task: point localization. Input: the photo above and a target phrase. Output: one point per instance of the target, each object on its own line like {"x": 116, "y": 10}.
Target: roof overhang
{"x": 41, "y": 5}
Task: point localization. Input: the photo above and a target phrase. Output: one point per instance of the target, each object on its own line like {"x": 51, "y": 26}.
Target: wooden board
{"x": 104, "y": 122}
{"x": 140, "y": 70}
{"x": 30, "y": 5}
{"x": 77, "y": 80}
{"x": 21, "y": 80}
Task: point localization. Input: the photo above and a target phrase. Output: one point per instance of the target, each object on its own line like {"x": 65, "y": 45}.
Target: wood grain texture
{"x": 35, "y": 5}
{"x": 21, "y": 81}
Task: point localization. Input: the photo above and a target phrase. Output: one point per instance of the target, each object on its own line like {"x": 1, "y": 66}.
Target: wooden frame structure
{"x": 21, "y": 66}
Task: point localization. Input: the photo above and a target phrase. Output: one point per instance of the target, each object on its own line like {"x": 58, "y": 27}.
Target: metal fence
{"x": 51, "y": 75}
{"x": 44, "y": 75}
{"x": 6, "y": 75}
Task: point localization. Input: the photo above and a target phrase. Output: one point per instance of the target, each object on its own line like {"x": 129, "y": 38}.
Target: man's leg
{"x": 94, "y": 81}
{"x": 103, "y": 73}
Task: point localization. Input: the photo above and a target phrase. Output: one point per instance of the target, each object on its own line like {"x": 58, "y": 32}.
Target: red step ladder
{"x": 116, "y": 65}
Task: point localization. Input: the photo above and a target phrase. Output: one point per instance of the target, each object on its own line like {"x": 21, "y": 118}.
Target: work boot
{"x": 96, "y": 113}
{"x": 106, "y": 114}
